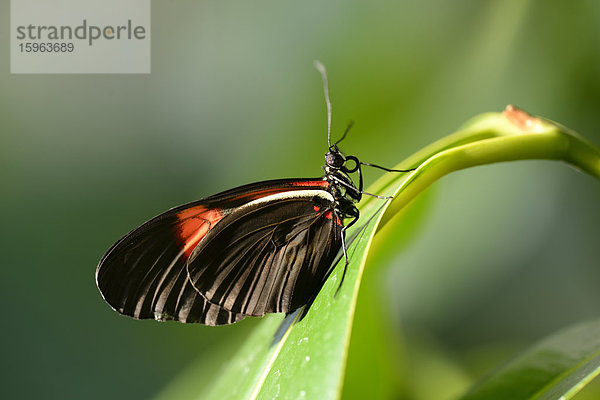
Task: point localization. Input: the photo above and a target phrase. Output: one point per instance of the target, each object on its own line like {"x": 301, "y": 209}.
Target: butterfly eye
{"x": 334, "y": 159}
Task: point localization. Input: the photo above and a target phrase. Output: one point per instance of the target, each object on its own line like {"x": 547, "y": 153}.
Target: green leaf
{"x": 306, "y": 358}
{"x": 556, "y": 368}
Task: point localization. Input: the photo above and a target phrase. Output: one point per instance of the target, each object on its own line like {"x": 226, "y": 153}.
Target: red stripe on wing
{"x": 319, "y": 183}
{"x": 193, "y": 224}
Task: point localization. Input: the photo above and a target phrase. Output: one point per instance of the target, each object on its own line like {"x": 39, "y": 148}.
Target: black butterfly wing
{"x": 144, "y": 274}
{"x": 271, "y": 255}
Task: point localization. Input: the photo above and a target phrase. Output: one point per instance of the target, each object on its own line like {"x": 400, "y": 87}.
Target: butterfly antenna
{"x": 321, "y": 68}
{"x": 350, "y": 125}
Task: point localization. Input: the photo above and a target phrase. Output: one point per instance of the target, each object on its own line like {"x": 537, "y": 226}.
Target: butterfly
{"x": 266, "y": 247}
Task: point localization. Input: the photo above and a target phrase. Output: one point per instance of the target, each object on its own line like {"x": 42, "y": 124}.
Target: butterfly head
{"x": 334, "y": 158}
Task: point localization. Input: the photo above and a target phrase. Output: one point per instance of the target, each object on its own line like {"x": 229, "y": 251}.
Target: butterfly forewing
{"x": 144, "y": 274}
{"x": 271, "y": 255}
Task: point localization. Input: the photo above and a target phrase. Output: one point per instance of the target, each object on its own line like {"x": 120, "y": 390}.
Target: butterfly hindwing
{"x": 271, "y": 255}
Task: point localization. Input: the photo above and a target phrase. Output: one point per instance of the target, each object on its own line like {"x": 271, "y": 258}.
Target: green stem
{"x": 491, "y": 138}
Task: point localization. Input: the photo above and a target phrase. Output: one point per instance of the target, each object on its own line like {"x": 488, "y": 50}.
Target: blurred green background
{"x": 502, "y": 256}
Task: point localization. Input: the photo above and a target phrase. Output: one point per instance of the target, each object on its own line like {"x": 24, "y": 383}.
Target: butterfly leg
{"x": 353, "y": 212}
{"x": 347, "y": 185}
{"x": 386, "y": 169}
